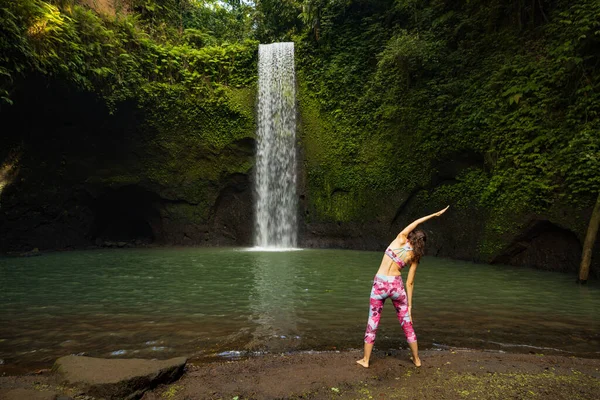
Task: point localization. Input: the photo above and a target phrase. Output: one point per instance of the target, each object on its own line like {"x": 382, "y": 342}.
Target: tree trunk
{"x": 588, "y": 244}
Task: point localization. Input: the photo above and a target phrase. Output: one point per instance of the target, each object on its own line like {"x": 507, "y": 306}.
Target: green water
{"x": 218, "y": 302}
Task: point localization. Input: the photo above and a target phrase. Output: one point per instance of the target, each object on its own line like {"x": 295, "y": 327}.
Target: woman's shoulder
{"x": 399, "y": 241}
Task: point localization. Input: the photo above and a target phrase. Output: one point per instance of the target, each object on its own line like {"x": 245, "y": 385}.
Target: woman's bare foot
{"x": 363, "y": 362}
{"x": 416, "y": 361}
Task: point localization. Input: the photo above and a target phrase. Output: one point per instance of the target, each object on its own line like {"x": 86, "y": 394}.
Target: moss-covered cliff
{"x": 491, "y": 107}
{"x": 113, "y": 134}
{"x": 138, "y": 124}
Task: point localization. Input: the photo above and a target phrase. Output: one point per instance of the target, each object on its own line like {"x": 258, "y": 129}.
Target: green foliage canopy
{"x": 116, "y": 57}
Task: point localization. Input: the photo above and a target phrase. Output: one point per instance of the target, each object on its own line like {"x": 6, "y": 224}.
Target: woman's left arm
{"x": 410, "y": 284}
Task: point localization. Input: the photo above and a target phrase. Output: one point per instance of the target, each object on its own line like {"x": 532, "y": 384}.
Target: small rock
{"x": 32, "y": 253}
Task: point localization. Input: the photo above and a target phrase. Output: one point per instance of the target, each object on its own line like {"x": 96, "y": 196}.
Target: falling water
{"x": 275, "y": 189}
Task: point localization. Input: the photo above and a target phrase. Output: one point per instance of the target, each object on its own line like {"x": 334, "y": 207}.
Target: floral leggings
{"x": 392, "y": 287}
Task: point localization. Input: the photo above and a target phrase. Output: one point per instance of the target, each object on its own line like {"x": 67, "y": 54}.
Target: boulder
{"x": 116, "y": 379}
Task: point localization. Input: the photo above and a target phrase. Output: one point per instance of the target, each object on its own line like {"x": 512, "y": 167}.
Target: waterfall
{"x": 275, "y": 179}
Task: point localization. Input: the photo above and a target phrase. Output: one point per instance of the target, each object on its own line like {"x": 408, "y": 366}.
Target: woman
{"x": 407, "y": 248}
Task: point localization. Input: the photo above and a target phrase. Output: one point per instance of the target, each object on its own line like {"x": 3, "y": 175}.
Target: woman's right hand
{"x": 437, "y": 214}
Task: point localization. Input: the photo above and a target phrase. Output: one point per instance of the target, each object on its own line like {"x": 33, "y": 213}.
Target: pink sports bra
{"x": 399, "y": 257}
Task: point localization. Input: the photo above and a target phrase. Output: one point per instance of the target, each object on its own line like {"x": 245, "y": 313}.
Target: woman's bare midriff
{"x": 388, "y": 267}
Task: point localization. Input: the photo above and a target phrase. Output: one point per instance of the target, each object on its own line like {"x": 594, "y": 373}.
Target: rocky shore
{"x": 452, "y": 374}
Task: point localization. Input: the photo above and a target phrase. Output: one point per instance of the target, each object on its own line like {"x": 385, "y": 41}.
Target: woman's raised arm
{"x": 416, "y": 223}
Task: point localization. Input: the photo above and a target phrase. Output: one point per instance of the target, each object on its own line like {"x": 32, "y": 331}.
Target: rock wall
{"x": 463, "y": 233}
{"x": 334, "y": 215}
{"x": 90, "y": 178}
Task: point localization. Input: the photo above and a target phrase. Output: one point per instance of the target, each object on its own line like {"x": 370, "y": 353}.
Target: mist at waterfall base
{"x": 223, "y": 302}
{"x": 275, "y": 172}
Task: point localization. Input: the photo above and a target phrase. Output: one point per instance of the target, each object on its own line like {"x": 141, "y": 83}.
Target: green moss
{"x": 451, "y": 384}
{"x": 314, "y": 129}
{"x": 188, "y": 146}
{"x": 347, "y": 179}
{"x": 171, "y": 392}
{"x": 243, "y": 100}
{"x": 195, "y": 214}
{"x": 511, "y": 385}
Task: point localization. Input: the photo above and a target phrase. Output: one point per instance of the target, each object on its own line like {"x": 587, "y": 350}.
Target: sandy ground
{"x": 444, "y": 375}
{"x": 458, "y": 374}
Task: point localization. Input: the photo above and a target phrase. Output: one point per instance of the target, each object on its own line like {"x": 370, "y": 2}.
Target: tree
{"x": 588, "y": 244}
{"x": 276, "y": 20}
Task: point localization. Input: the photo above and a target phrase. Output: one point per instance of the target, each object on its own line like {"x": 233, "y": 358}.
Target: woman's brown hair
{"x": 417, "y": 241}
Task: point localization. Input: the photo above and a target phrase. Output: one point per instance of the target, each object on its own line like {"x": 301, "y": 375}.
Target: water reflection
{"x": 272, "y": 301}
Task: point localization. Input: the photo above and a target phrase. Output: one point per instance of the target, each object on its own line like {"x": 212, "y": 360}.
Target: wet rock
{"x": 116, "y": 379}
{"x": 32, "y": 253}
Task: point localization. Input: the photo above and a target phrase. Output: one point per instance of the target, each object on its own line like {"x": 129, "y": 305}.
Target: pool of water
{"x": 224, "y": 302}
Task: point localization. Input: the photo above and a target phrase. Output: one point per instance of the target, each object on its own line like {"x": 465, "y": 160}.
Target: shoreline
{"x": 454, "y": 373}
{"x": 459, "y": 373}
{"x": 234, "y": 356}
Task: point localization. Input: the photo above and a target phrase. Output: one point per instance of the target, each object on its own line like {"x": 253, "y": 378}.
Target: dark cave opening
{"x": 544, "y": 245}
{"x": 127, "y": 214}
